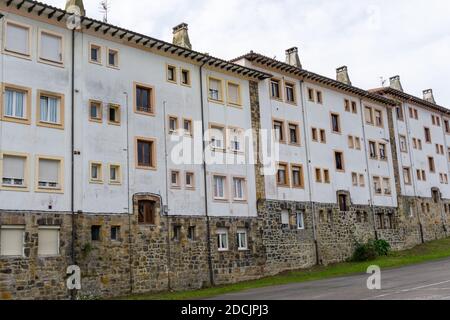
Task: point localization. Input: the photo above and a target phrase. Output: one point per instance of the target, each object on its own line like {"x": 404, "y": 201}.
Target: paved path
{"x": 429, "y": 281}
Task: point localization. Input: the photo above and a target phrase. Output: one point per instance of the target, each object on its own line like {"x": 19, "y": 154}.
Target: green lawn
{"x": 428, "y": 252}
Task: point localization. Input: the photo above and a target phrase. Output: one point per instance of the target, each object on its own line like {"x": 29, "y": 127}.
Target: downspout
{"x": 205, "y": 179}
{"x": 2, "y": 61}
{"x": 366, "y": 157}
{"x": 72, "y": 160}
{"x": 308, "y": 164}
{"x": 448, "y": 169}
{"x": 413, "y": 169}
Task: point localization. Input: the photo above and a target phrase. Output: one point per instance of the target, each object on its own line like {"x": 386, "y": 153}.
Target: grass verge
{"x": 431, "y": 251}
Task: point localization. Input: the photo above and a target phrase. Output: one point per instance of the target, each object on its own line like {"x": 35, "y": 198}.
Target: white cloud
{"x": 374, "y": 38}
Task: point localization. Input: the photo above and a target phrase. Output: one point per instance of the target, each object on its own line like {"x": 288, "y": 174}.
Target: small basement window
{"x": 95, "y": 233}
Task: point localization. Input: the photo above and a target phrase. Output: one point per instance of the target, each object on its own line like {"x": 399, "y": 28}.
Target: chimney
{"x": 395, "y": 83}
{"x": 429, "y": 96}
{"x": 292, "y": 57}
{"x": 181, "y": 36}
{"x": 342, "y": 75}
{"x": 75, "y": 6}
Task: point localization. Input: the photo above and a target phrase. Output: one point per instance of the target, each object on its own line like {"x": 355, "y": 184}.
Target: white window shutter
{"x": 48, "y": 242}
{"x": 17, "y": 39}
{"x": 13, "y": 167}
{"x": 49, "y": 170}
{"x": 233, "y": 93}
{"x": 11, "y": 241}
{"x": 51, "y": 47}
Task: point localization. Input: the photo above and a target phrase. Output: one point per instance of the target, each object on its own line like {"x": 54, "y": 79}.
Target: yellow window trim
{"x": 61, "y": 109}
{"x": 175, "y": 73}
{"x": 26, "y": 187}
{"x": 280, "y": 89}
{"x": 100, "y": 103}
{"x": 189, "y": 84}
{"x": 61, "y": 175}
{"x": 116, "y": 66}
{"x": 46, "y": 61}
{"x": 191, "y": 186}
{"x": 294, "y": 89}
{"x": 100, "y": 54}
{"x": 27, "y": 120}
{"x": 27, "y": 56}
{"x": 118, "y": 111}
{"x": 152, "y": 99}
{"x": 302, "y": 177}
{"x": 119, "y": 174}
{"x": 239, "y": 102}
{"x": 221, "y": 90}
{"x": 100, "y": 179}
{"x": 154, "y": 156}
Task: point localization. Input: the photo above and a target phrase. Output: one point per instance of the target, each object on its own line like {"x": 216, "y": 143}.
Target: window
{"x": 176, "y": 233}
{"x": 12, "y": 241}
{"x": 95, "y": 111}
{"x": 173, "y": 125}
{"x": 431, "y": 164}
{"x": 115, "y": 233}
{"x": 242, "y": 239}
{"x": 290, "y": 92}
{"x": 144, "y": 99}
{"x": 399, "y": 111}
{"x": 448, "y": 153}
{"x": 343, "y": 203}
{"x": 387, "y": 186}
{"x": 326, "y": 176}
{"x": 236, "y": 139}
{"x": 51, "y": 110}
{"x": 14, "y": 171}
{"x": 95, "y": 54}
{"x": 113, "y": 58}
{"x": 368, "y": 115}
{"x": 187, "y": 126}
{"x": 282, "y": 175}
{"x": 314, "y": 134}
{"x": 357, "y": 143}
{"x": 48, "y": 241}
{"x": 419, "y": 144}
{"x": 335, "y": 123}
{"x": 354, "y": 107}
{"x": 191, "y": 233}
{"x": 318, "y": 175}
{"x": 294, "y": 134}
{"x": 373, "y": 150}
{"x": 96, "y": 172}
{"x": 239, "y": 189}
{"x": 447, "y": 126}
{"x": 311, "y": 95}
{"x": 354, "y": 179}
{"x": 362, "y": 182}
{"x": 115, "y": 174}
{"x": 217, "y": 136}
{"x": 339, "y": 160}
{"x": 185, "y": 77}
{"x": 234, "y": 93}
{"x": 145, "y": 153}
{"x": 219, "y": 187}
{"x": 51, "y": 47}
{"x": 114, "y": 114}
{"x": 175, "y": 179}
{"x": 407, "y": 176}
{"x": 351, "y": 142}
{"x": 171, "y": 74}
{"x": 382, "y": 151}
{"x": 275, "y": 92}
{"x": 189, "y": 180}
{"x": 347, "y": 105}
{"x": 323, "y": 136}
{"x": 215, "y": 90}
{"x": 222, "y": 240}
{"x": 413, "y": 113}
{"x": 377, "y": 185}
{"x": 300, "y": 221}
{"x": 297, "y": 176}
{"x": 16, "y": 104}
{"x": 146, "y": 212}
{"x": 427, "y": 135}
{"x": 17, "y": 39}
{"x": 278, "y": 127}
{"x": 378, "y": 118}
{"x": 319, "y": 97}
{"x": 403, "y": 144}
{"x": 95, "y": 233}
{"x": 49, "y": 174}
{"x": 421, "y": 175}
{"x": 285, "y": 217}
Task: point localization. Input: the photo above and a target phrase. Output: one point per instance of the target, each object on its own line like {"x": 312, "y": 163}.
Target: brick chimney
{"x": 72, "y": 4}
{"x": 395, "y": 83}
{"x": 342, "y": 75}
{"x": 292, "y": 57}
{"x": 181, "y": 36}
{"x": 429, "y": 96}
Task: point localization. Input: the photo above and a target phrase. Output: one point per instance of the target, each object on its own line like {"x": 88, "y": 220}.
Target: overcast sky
{"x": 376, "y": 38}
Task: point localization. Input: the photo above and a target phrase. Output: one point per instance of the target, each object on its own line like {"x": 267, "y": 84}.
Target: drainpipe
{"x": 308, "y": 164}
{"x": 2, "y": 62}
{"x": 413, "y": 169}
{"x": 205, "y": 179}
{"x": 366, "y": 157}
{"x": 448, "y": 169}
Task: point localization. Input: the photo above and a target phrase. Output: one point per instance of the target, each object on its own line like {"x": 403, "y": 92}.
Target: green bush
{"x": 382, "y": 247}
{"x": 371, "y": 250}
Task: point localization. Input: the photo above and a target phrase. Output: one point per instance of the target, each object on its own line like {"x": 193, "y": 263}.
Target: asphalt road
{"x": 429, "y": 281}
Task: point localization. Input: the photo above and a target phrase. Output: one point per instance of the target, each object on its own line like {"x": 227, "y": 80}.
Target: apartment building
{"x": 151, "y": 166}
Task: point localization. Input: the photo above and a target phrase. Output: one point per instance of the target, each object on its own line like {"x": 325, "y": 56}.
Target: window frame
{"x": 175, "y": 73}
{"x": 239, "y": 89}
{"x": 58, "y": 244}
{"x": 286, "y": 175}
{"x": 118, "y": 181}
{"x": 98, "y": 180}
{"x": 300, "y": 226}
{"x": 152, "y": 99}
{"x": 117, "y": 60}
{"x": 26, "y": 173}
{"x": 153, "y": 161}
{"x": 400, "y": 139}
{"x": 61, "y": 171}
{"x": 100, "y": 107}
{"x": 335, "y": 152}
{"x": 239, "y": 232}
{"x": 297, "y": 133}
{"x": 319, "y": 97}
{"x": 189, "y": 133}
{"x": 282, "y": 139}
{"x": 220, "y": 99}
{"x": 280, "y": 89}
{"x": 27, "y": 56}
{"x": 17, "y": 228}
{"x": 370, "y": 121}
{"x": 222, "y": 128}
{"x": 118, "y": 113}
{"x": 178, "y": 184}
{"x": 50, "y": 94}
{"x": 381, "y": 124}
{"x": 408, "y": 181}
{"x": 318, "y": 175}
{"x": 189, "y": 83}
{"x": 177, "y": 125}
{"x": 427, "y": 135}
{"x": 294, "y": 93}
{"x": 244, "y": 188}
{"x": 225, "y": 187}
{"x": 192, "y": 185}
{"x": 301, "y": 177}
{"x": 48, "y": 61}
{"x": 100, "y": 53}
{"x": 28, "y": 99}
{"x": 332, "y": 115}
{"x": 219, "y": 233}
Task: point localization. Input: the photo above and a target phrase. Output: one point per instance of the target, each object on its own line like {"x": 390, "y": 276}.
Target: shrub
{"x": 365, "y": 252}
{"x": 382, "y": 247}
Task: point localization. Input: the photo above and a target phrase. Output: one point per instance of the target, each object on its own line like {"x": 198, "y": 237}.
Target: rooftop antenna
{"x": 383, "y": 81}
{"x": 105, "y": 5}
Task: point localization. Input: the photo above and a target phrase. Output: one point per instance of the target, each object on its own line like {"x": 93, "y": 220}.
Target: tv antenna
{"x": 105, "y": 5}
{"x": 383, "y": 81}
